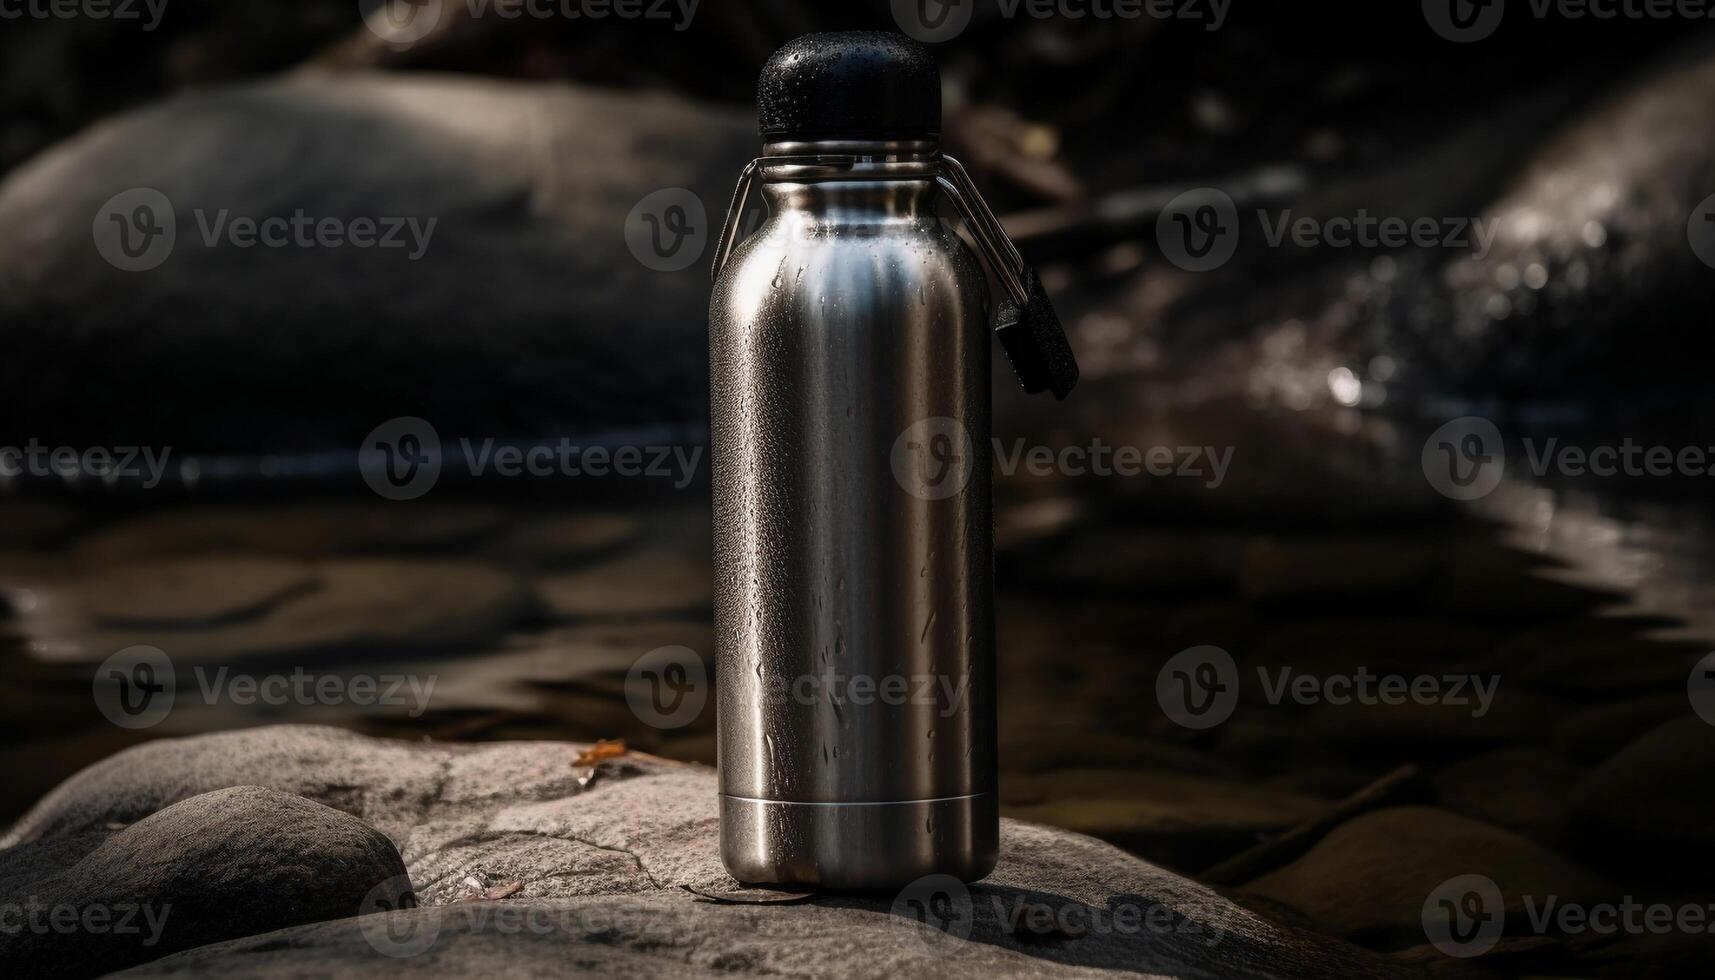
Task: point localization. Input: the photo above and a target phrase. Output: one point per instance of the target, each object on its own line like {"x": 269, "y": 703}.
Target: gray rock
{"x": 593, "y": 877}
{"x": 382, "y": 783}
{"x": 524, "y": 314}
{"x": 230, "y": 863}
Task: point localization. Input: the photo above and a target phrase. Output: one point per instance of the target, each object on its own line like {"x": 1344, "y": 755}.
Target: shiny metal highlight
{"x": 853, "y": 318}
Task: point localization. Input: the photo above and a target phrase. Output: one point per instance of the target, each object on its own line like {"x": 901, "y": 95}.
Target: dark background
{"x": 1591, "y": 143}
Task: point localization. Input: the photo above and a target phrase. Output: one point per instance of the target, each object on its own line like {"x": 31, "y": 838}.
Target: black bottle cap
{"x": 860, "y": 85}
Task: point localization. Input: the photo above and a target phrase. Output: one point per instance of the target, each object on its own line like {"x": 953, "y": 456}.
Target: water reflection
{"x": 1660, "y": 554}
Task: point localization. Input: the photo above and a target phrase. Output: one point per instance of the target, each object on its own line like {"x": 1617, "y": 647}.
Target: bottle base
{"x": 859, "y": 846}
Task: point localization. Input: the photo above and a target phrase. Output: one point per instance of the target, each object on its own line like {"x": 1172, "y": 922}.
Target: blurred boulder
{"x": 1654, "y": 799}
{"x": 1570, "y": 280}
{"x": 440, "y": 246}
{"x": 1599, "y": 274}
{"x": 1370, "y": 878}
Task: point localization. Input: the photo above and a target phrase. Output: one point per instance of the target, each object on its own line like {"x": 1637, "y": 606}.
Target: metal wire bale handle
{"x": 1024, "y": 321}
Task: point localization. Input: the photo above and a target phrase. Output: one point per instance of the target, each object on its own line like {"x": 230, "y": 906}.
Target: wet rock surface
{"x": 351, "y": 604}
{"x": 644, "y": 584}
{"x": 1531, "y": 774}
{"x": 195, "y": 593}
{"x": 518, "y": 866}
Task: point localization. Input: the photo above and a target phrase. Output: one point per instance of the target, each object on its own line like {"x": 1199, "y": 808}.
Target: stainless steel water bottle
{"x": 854, "y": 607}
